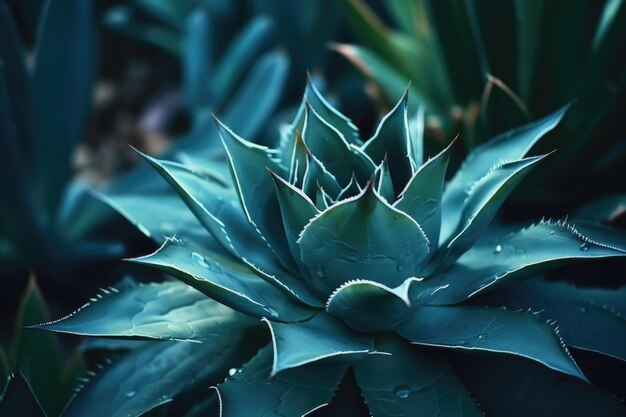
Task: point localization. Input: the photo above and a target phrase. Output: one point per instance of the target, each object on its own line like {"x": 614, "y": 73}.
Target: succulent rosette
{"x": 358, "y": 256}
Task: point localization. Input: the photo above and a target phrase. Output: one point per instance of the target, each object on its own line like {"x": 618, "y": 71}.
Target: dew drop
{"x": 584, "y": 247}
{"x": 130, "y": 394}
{"x": 232, "y": 371}
{"x": 402, "y": 391}
{"x": 498, "y": 249}
{"x": 462, "y": 342}
{"x": 481, "y": 336}
{"x": 199, "y": 259}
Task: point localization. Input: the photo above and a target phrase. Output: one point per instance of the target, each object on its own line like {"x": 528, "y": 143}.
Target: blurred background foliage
{"x": 80, "y": 81}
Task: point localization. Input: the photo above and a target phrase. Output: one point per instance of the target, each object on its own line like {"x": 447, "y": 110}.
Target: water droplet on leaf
{"x": 232, "y": 371}
{"x": 199, "y": 259}
{"x": 481, "y": 336}
{"x": 402, "y": 391}
{"x": 131, "y": 394}
{"x": 584, "y": 247}
{"x": 498, "y": 249}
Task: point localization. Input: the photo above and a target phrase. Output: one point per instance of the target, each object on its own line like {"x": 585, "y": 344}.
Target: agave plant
{"x": 483, "y": 68}
{"x": 357, "y": 255}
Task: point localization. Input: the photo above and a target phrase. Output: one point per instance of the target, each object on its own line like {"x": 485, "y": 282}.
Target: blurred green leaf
{"x": 18, "y": 399}
{"x": 62, "y": 80}
{"x": 37, "y": 353}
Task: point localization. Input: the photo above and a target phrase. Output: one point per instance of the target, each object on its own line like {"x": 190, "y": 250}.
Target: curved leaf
{"x": 249, "y": 164}
{"x": 421, "y": 197}
{"x": 392, "y": 139}
{"x": 297, "y": 210}
{"x": 152, "y": 375}
{"x": 216, "y": 208}
{"x": 229, "y": 282}
{"x": 490, "y": 330}
{"x": 327, "y": 112}
{"x": 296, "y": 344}
{"x": 362, "y": 238}
{"x": 501, "y": 261}
{"x": 166, "y": 311}
{"x": 384, "y": 182}
{"x": 484, "y": 200}
{"x": 330, "y": 146}
{"x": 587, "y": 318}
{"x": 511, "y": 145}
{"x": 370, "y": 306}
{"x": 411, "y": 382}
{"x": 294, "y": 392}
{"x": 173, "y": 217}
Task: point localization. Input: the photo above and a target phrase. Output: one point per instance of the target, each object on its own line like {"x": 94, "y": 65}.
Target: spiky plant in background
{"x": 357, "y": 255}
{"x": 484, "y": 67}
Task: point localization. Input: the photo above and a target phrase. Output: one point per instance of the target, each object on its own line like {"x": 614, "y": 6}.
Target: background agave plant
{"x": 482, "y": 68}
{"x": 374, "y": 266}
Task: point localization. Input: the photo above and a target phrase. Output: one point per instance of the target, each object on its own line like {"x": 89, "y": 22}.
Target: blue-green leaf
{"x": 241, "y": 53}
{"x": 249, "y": 164}
{"x": 173, "y": 217}
{"x": 588, "y": 318}
{"x": 484, "y": 200}
{"x": 152, "y": 375}
{"x": 370, "y": 306}
{"x": 509, "y": 146}
{"x": 362, "y": 238}
{"x": 491, "y": 330}
{"x": 251, "y": 106}
{"x": 227, "y": 281}
{"x": 384, "y": 182}
{"x": 294, "y": 392}
{"x": 411, "y": 382}
{"x": 216, "y": 208}
{"x": 197, "y": 55}
{"x": 63, "y": 74}
{"x": 330, "y": 146}
{"x": 502, "y": 260}
{"x": 393, "y": 141}
{"x": 296, "y": 344}
{"x": 334, "y": 117}
{"x": 165, "y": 311}
{"x": 421, "y": 198}
{"x": 296, "y": 209}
